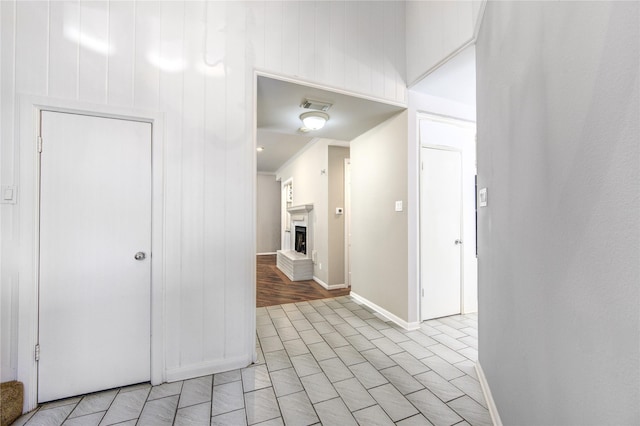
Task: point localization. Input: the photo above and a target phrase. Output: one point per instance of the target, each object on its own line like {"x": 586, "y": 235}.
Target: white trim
{"x": 443, "y": 118}
{"x": 265, "y": 253}
{"x": 491, "y": 404}
{"x": 253, "y": 292}
{"x": 454, "y": 53}
{"x": 479, "y": 20}
{"x": 209, "y": 367}
{"x": 269, "y": 74}
{"x": 402, "y": 323}
{"x": 440, "y": 63}
{"x": 28, "y": 129}
{"x": 327, "y": 286}
{"x": 347, "y": 220}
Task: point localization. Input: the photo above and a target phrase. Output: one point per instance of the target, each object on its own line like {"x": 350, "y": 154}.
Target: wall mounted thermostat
{"x": 482, "y": 197}
{"x": 339, "y": 210}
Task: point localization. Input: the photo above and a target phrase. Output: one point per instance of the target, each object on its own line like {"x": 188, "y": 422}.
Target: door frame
{"x": 347, "y": 222}
{"x": 29, "y": 127}
{"x": 422, "y": 116}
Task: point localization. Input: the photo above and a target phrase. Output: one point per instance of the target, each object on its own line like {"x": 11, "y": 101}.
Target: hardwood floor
{"x": 274, "y": 288}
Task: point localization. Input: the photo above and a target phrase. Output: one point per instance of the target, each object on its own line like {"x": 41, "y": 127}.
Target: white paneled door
{"x": 440, "y": 240}
{"x": 95, "y": 254}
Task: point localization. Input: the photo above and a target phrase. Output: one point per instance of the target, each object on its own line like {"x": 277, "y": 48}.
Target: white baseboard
{"x": 206, "y": 368}
{"x": 388, "y": 315}
{"x": 493, "y": 410}
{"x": 265, "y": 254}
{"x": 327, "y": 286}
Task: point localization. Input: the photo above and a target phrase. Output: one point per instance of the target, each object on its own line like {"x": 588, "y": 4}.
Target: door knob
{"x": 140, "y": 255}
{"x": 458, "y": 242}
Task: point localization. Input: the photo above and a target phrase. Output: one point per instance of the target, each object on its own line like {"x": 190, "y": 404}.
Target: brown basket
{"x": 11, "y": 394}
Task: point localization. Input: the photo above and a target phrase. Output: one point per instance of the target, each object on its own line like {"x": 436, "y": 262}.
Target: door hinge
{"x": 37, "y": 353}
{"x": 39, "y": 143}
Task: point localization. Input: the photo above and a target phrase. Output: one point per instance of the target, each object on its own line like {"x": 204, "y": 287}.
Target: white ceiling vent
{"x": 315, "y": 105}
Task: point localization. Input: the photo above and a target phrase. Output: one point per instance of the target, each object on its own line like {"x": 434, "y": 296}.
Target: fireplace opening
{"x": 301, "y": 239}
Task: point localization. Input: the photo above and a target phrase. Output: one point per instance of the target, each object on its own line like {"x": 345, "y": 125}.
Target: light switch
{"x": 398, "y": 206}
{"x": 8, "y": 194}
{"x": 482, "y": 197}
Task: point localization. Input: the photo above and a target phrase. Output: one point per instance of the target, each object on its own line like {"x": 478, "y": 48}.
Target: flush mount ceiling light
{"x": 313, "y": 120}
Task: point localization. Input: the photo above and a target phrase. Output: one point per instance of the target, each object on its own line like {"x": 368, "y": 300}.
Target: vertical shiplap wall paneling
{"x": 170, "y": 102}
{"x": 389, "y": 44}
{"x": 273, "y": 36}
{"x": 307, "y": 40}
{"x": 121, "y": 33}
{"x": 377, "y": 47}
{"x": 322, "y": 48}
{"x": 9, "y": 261}
{"x": 192, "y": 221}
{"x": 466, "y": 20}
{"x": 63, "y": 50}
{"x": 238, "y": 198}
{"x": 400, "y": 58}
{"x": 94, "y": 50}
{"x": 215, "y": 181}
{"x": 290, "y": 38}
{"x": 452, "y": 31}
{"x": 153, "y": 56}
{"x": 147, "y": 39}
{"x": 32, "y": 43}
{"x": 435, "y": 30}
{"x": 365, "y": 36}
{"x": 255, "y": 12}
{"x": 337, "y": 45}
{"x": 351, "y": 45}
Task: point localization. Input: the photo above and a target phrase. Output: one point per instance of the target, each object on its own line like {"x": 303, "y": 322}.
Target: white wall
{"x": 156, "y": 61}
{"x": 558, "y": 132}
{"x": 379, "y": 233}
{"x": 437, "y": 29}
{"x": 310, "y": 187}
{"x": 267, "y": 213}
{"x": 335, "y": 222}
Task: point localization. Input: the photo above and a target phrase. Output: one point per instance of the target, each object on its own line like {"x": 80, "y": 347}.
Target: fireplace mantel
{"x": 304, "y": 208}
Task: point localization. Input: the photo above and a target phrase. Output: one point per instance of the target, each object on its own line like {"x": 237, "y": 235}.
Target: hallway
{"x": 274, "y": 288}
{"x": 331, "y": 361}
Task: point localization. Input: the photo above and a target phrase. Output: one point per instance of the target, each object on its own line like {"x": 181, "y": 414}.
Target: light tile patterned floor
{"x": 330, "y": 362}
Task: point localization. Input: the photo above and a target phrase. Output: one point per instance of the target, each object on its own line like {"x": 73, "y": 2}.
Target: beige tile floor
{"x": 330, "y": 362}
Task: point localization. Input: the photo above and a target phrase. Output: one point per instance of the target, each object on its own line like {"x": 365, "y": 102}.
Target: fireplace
{"x": 301, "y": 239}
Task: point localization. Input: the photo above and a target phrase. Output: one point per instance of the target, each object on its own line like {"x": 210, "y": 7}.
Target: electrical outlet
{"x": 320, "y": 266}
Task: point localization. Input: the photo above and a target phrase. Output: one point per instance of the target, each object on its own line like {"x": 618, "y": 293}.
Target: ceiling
{"x": 278, "y": 122}
{"x": 455, "y": 80}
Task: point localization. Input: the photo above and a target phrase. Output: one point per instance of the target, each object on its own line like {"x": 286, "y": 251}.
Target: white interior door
{"x": 95, "y": 217}
{"x": 440, "y": 223}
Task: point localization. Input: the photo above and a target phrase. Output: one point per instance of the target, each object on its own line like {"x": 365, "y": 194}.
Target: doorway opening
{"x": 32, "y": 109}
{"x": 448, "y": 263}
{"x": 305, "y": 168}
